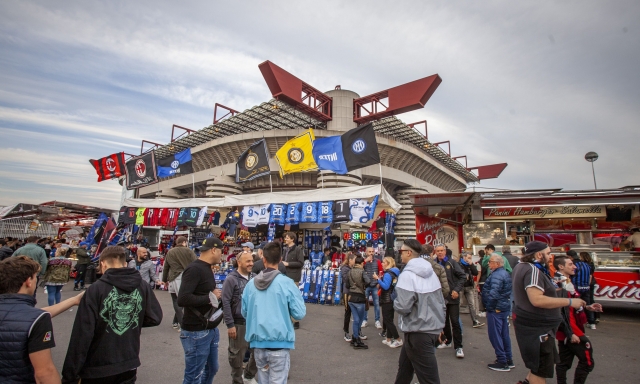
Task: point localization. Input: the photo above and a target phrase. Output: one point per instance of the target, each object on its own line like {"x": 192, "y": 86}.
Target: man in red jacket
{"x": 572, "y": 340}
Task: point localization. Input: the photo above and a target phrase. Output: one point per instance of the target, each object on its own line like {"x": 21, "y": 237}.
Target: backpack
{"x": 394, "y": 281}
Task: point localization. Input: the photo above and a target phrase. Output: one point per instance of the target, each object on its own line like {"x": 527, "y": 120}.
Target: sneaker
{"x": 352, "y": 341}
{"x": 499, "y": 367}
{"x": 459, "y": 353}
{"x": 385, "y": 342}
{"x": 477, "y": 324}
{"x": 249, "y": 381}
{"x": 510, "y": 364}
{"x": 364, "y": 324}
{"x": 363, "y": 337}
{"x": 591, "y": 326}
{"x": 296, "y": 325}
{"x": 482, "y": 314}
{"x": 76, "y": 289}
{"x": 383, "y": 334}
{"x": 444, "y": 345}
{"x": 175, "y": 325}
{"x": 597, "y": 321}
{"x": 395, "y": 344}
{"x": 347, "y": 337}
{"x": 378, "y": 325}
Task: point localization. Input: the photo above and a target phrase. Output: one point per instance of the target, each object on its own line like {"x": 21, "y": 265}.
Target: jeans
{"x": 53, "y": 291}
{"x": 237, "y": 349}
{"x": 128, "y": 377}
{"x": 177, "y": 318}
{"x": 273, "y": 366}
{"x": 452, "y": 320}
{"x": 200, "y": 355}
{"x": 470, "y": 295}
{"x": 373, "y": 291}
{"x": 347, "y": 314}
{"x": 498, "y": 328}
{"x": 387, "y": 319}
{"x": 357, "y": 310}
{"x": 82, "y": 270}
{"x": 418, "y": 355}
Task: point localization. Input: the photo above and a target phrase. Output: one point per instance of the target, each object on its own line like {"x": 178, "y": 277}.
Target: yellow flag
{"x": 296, "y": 154}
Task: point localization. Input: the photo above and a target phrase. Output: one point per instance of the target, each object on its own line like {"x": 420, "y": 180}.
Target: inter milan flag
{"x": 253, "y": 163}
{"x": 178, "y": 164}
{"x": 327, "y": 152}
{"x": 110, "y": 167}
{"x": 296, "y": 155}
{"x": 359, "y": 147}
{"x": 141, "y": 171}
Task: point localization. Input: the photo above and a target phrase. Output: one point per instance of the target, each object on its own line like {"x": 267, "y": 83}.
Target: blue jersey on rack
{"x": 278, "y": 213}
{"x": 325, "y": 212}
{"x": 309, "y": 213}
{"x": 293, "y": 213}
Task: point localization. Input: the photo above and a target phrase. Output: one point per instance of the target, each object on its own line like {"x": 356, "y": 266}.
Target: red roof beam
{"x": 448, "y": 146}
{"x": 489, "y": 171}
{"x": 230, "y": 111}
{"x": 460, "y": 157}
{"x": 187, "y": 131}
{"x": 155, "y": 145}
{"x": 413, "y": 125}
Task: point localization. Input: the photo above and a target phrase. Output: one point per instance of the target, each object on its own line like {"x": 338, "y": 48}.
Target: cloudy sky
{"x": 533, "y": 84}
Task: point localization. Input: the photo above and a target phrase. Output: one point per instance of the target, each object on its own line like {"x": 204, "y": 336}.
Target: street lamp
{"x": 591, "y": 157}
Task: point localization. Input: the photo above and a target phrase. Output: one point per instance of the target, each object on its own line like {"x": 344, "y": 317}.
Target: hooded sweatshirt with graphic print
{"x": 105, "y": 339}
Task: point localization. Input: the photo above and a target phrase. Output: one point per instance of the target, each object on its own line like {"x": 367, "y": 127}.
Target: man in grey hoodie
{"x": 421, "y": 309}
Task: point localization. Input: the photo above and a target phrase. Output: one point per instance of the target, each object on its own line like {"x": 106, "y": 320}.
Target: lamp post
{"x": 591, "y": 157}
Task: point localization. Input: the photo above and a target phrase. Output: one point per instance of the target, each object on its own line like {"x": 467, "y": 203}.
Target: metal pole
{"x": 270, "y": 182}
{"x": 380, "y": 164}
{"x": 594, "y": 176}
{"x": 193, "y": 185}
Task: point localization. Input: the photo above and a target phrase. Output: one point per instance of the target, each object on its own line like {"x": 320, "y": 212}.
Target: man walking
{"x": 421, "y": 309}
{"x": 497, "y": 302}
{"x": 372, "y": 266}
{"x": 455, "y": 279}
{"x": 581, "y": 280}
{"x": 536, "y": 312}
{"x": 176, "y": 261}
{"x": 145, "y": 266}
{"x": 293, "y": 260}
{"x": 32, "y": 251}
{"x": 81, "y": 266}
{"x": 469, "y": 289}
{"x": 232, "y": 290}
{"x": 269, "y": 302}
{"x": 199, "y": 335}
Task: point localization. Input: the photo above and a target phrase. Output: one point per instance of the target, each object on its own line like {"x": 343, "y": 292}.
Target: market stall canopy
{"x": 52, "y": 211}
{"x": 326, "y": 194}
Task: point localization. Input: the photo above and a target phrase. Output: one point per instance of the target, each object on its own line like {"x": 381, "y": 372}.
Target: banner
{"x": 110, "y": 167}
{"x": 360, "y": 148}
{"x": 296, "y": 155}
{"x": 253, "y": 163}
{"x": 141, "y": 171}
{"x": 327, "y": 152}
{"x": 542, "y": 212}
{"x": 178, "y": 164}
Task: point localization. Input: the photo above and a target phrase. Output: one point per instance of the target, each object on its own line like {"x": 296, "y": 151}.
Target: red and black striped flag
{"x": 110, "y": 167}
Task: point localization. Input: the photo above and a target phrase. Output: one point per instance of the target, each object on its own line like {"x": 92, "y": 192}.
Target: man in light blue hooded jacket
{"x": 269, "y": 301}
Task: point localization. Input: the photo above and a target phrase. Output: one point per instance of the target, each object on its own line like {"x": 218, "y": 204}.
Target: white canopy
{"x": 325, "y": 194}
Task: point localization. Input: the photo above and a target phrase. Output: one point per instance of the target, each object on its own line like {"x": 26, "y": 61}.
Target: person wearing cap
{"x": 248, "y": 247}
{"x": 536, "y": 312}
{"x": 199, "y": 340}
{"x": 581, "y": 280}
{"x": 176, "y": 261}
{"x": 258, "y": 266}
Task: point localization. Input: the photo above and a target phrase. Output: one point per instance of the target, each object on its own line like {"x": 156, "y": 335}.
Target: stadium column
{"x": 406, "y": 218}
{"x": 223, "y": 186}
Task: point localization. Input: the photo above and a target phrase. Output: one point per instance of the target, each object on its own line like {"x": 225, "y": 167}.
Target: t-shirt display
{"x": 341, "y": 211}
{"x": 293, "y": 213}
{"x": 359, "y": 210}
{"x": 150, "y": 217}
{"x": 254, "y": 215}
{"x": 201, "y": 214}
{"x": 188, "y": 216}
{"x": 309, "y": 213}
{"x": 140, "y": 216}
{"x": 325, "y": 212}
{"x": 278, "y": 213}
{"x": 174, "y": 213}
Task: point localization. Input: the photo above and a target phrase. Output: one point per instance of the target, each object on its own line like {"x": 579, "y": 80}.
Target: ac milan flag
{"x": 110, "y": 167}
{"x": 141, "y": 171}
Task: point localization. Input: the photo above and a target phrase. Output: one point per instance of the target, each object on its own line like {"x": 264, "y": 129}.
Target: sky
{"x": 534, "y": 84}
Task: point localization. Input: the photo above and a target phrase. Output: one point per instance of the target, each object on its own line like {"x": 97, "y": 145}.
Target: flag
{"x": 360, "y": 148}
{"x": 110, "y": 167}
{"x": 380, "y": 222}
{"x": 109, "y": 227}
{"x": 296, "y": 155}
{"x": 327, "y": 152}
{"x": 253, "y": 163}
{"x": 141, "y": 171}
{"x": 178, "y": 164}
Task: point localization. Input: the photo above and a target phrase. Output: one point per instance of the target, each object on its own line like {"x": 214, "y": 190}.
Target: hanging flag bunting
{"x": 141, "y": 171}
{"x": 360, "y": 148}
{"x": 327, "y": 152}
{"x": 296, "y": 155}
{"x": 110, "y": 167}
{"x": 178, "y": 164}
{"x": 253, "y": 163}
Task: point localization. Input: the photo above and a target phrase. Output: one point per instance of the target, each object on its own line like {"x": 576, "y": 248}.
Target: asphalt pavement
{"x": 322, "y": 356}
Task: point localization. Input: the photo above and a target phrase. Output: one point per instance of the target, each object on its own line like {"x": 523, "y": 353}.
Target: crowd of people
{"x": 260, "y": 305}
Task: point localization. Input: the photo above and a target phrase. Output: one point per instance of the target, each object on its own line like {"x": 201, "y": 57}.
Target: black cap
{"x": 534, "y": 246}
{"x": 262, "y": 245}
{"x": 210, "y": 243}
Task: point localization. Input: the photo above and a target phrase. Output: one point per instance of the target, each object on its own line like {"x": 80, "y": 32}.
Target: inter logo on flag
{"x": 178, "y": 164}
{"x": 360, "y": 148}
{"x": 296, "y": 154}
{"x": 253, "y": 163}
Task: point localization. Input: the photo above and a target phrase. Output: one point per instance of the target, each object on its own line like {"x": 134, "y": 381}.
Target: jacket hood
{"x": 126, "y": 279}
{"x": 265, "y": 278}
{"x": 420, "y": 267}
{"x": 395, "y": 270}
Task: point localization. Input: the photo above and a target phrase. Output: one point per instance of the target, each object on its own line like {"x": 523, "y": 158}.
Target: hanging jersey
{"x": 309, "y": 213}
{"x": 390, "y": 223}
{"x": 130, "y": 216}
{"x": 341, "y": 211}
{"x": 359, "y": 210}
{"x": 263, "y": 214}
{"x": 250, "y": 215}
{"x": 122, "y": 214}
{"x": 159, "y": 216}
{"x": 164, "y": 217}
{"x": 140, "y": 216}
{"x": 293, "y": 213}
{"x": 278, "y": 213}
{"x": 192, "y": 217}
{"x": 325, "y": 212}
{"x": 172, "y": 221}
{"x": 201, "y": 214}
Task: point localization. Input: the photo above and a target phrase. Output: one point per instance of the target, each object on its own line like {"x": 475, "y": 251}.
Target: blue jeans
{"x": 373, "y": 291}
{"x": 358, "y": 313}
{"x": 498, "y": 327}
{"x": 200, "y": 355}
{"x": 273, "y": 366}
{"x": 53, "y": 291}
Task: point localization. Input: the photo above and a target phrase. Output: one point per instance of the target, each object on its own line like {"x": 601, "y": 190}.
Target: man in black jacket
{"x": 198, "y": 294}
{"x": 455, "y": 278}
{"x": 236, "y": 325}
{"x": 258, "y": 265}
{"x": 470, "y": 271}
{"x": 293, "y": 259}
{"x": 5, "y": 251}
{"x": 506, "y": 253}
{"x": 105, "y": 340}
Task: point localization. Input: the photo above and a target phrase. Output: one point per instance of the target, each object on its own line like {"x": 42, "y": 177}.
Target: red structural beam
{"x": 489, "y": 171}
{"x": 413, "y": 125}
{"x": 230, "y": 111}
{"x": 187, "y": 131}
{"x": 155, "y": 145}
{"x": 286, "y": 87}
{"x": 465, "y": 159}
{"x": 403, "y": 98}
{"x": 448, "y": 146}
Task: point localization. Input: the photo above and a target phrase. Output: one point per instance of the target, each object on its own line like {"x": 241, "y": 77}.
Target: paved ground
{"x": 322, "y": 356}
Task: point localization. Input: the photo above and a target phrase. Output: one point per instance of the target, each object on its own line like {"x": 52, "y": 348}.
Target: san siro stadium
{"x": 410, "y": 163}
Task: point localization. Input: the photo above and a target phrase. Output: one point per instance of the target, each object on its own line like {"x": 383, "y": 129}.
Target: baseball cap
{"x": 210, "y": 243}
{"x": 248, "y": 244}
{"x": 262, "y": 245}
{"x": 534, "y": 246}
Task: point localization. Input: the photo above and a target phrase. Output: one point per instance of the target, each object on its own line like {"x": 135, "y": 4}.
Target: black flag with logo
{"x": 253, "y": 163}
{"x": 360, "y": 148}
{"x": 141, "y": 171}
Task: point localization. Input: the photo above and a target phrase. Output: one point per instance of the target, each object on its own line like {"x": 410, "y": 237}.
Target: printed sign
{"x": 567, "y": 211}
{"x": 433, "y": 230}
{"x": 618, "y": 286}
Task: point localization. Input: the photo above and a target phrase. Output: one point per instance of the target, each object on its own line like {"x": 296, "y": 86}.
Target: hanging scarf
{"x": 545, "y": 270}
{"x": 444, "y": 261}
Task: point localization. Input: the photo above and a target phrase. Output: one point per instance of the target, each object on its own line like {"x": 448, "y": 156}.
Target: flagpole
{"x": 380, "y": 164}
{"x": 193, "y": 185}
{"x": 270, "y": 182}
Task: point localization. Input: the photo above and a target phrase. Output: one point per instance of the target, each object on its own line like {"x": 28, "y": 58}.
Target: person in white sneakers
{"x": 372, "y": 266}
{"x": 387, "y": 283}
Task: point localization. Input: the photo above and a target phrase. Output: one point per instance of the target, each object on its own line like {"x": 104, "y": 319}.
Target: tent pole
{"x": 380, "y": 164}
{"x": 193, "y": 184}
{"x": 270, "y": 182}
